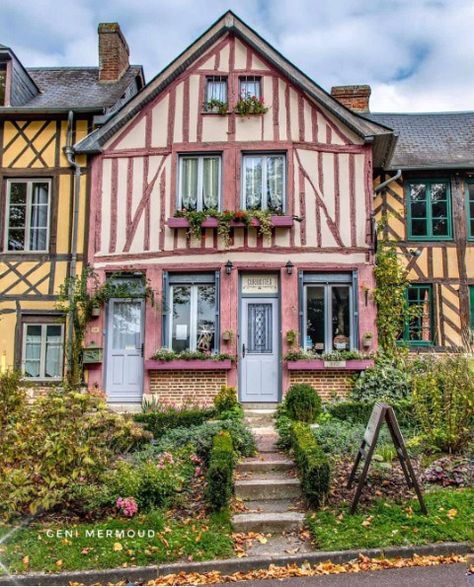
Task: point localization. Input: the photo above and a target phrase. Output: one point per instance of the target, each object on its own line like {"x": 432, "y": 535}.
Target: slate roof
{"x": 76, "y": 87}
{"x": 440, "y": 140}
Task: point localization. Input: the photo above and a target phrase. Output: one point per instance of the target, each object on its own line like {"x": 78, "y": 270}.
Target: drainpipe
{"x": 70, "y": 156}
{"x": 389, "y": 180}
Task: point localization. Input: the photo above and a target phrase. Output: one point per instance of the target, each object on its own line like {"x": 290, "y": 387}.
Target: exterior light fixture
{"x": 228, "y": 267}
{"x": 289, "y": 267}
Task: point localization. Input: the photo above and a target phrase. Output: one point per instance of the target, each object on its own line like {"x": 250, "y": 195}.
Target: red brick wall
{"x": 326, "y": 383}
{"x": 186, "y": 387}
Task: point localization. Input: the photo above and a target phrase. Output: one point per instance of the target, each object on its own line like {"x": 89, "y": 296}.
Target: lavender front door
{"x": 259, "y": 350}
{"x": 124, "y": 362}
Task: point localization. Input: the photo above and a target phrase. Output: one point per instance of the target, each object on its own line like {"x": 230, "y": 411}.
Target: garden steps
{"x": 274, "y": 462}
{"x": 273, "y": 522}
{"x": 283, "y": 488}
{"x": 272, "y": 505}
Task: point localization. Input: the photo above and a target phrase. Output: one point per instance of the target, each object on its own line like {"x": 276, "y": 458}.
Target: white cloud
{"x": 416, "y": 54}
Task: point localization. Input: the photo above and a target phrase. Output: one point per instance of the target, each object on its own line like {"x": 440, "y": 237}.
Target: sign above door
{"x": 259, "y": 283}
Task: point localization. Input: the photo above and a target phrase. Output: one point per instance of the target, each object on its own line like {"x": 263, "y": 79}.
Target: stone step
{"x": 267, "y": 444}
{"x": 253, "y": 489}
{"x": 271, "y": 505}
{"x": 266, "y": 475}
{"x": 259, "y": 406}
{"x": 263, "y": 466}
{"x": 257, "y": 421}
{"x": 268, "y": 522}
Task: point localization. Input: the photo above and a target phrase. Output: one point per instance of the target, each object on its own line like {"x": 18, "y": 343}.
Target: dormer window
{"x": 3, "y": 83}
{"x": 250, "y": 86}
{"x": 216, "y": 94}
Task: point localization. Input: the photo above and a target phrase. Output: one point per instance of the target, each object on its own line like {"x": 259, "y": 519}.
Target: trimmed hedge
{"x": 302, "y": 403}
{"x": 159, "y": 422}
{"x": 312, "y": 463}
{"x": 220, "y": 470}
{"x": 359, "y": 412}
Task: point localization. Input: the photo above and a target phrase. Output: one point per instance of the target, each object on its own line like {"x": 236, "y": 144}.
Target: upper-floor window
{"x": 429, "y": 210}
{"x": 27, "y": 217}
{"x": 264, "y": 182}
{"x": 42, "y": 356}
{"x": 199, "y": 182}
{"x": 3, "y": 85}
{"x": 470, "y": 209}
{"x": 249, "y": 86}
{"x": 418, "y": 329}
{"x": 216, "y": 90}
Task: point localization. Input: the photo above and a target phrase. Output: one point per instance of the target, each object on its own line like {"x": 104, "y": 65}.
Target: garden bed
{"x": 211, "y": 222}
{"x": 189, "y": 365}
{"x": 323, "y": 365}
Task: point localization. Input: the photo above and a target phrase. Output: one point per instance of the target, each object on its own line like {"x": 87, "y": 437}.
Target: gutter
{"x": 387, "y": 181}
{"x": 70, "y": 156}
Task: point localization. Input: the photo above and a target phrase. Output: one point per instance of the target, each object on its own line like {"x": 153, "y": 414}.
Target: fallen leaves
{"x": 452, "y": 513}
{"x": 117, "y": 547}
{"x": 359, "y": 565}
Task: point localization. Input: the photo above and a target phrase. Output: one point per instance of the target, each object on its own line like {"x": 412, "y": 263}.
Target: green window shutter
{"x": 471, "y": 299}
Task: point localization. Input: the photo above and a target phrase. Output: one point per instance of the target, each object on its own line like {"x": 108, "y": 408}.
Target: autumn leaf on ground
{"x": 59, "y": 563}
{"x": 117, "y": 547}
{"x": 26, "y": 561}
{"x": 366, "y": 523}
{"x": 452, "y": 513}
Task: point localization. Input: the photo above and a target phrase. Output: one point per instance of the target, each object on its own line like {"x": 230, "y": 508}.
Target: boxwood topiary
{"x": 220, "y": 470}
{"x": 302, "y": 403}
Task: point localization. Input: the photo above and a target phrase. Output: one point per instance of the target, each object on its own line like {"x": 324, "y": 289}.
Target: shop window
{"x": 328, "y": 313}
{"x": 418, "y": 331}
{"x": 199, "y": 182}
{"x": 42, "y": 356}
{"x": 193, "y": 304}
{"x": 429, "y": 210}
{"x": 27, "y": 218}
{"x": 264, "y": 182}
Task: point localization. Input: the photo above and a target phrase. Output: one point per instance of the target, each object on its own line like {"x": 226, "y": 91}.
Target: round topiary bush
{"x": 303, "y": 403}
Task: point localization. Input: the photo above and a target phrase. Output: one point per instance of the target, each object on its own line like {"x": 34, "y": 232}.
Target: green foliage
{"x": 226, "y": 399}
{"x": 166, "y": 354}
{"x": 60, "y": 439}
{"x": 214, "y": 105}
{"x": 220, "y": 470}
{"x": 249, "y": 105}
{"x": 235, "y": 413}
{"x": 312, "y": 463}
{"x": 302, "y": 403}
{"x": 159, "y": 419}
{"x": 388, "y": 380}
{"x": 302, "y": 355}
{"x": 291, "y": 337}
{"x": 443, "y": 396}
{"x": 359, "y": 412}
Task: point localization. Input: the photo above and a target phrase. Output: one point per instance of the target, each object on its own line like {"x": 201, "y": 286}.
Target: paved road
{"x": 440, "y": 576}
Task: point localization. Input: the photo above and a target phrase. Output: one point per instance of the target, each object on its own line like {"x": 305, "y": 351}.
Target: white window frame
{"x": 29, "y": 192}
{"x": 200, "y": 157}
{"x": 42, "y": 376}
{"x": 264, "y": 156}
{"x": 328, "y": 313}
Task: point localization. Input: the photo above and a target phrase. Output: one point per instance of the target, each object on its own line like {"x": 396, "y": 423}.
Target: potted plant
{"x": 367, "y": 339}
{"x": 228, "y": 336}
{"x": 250, "y": 105}
{"x": 216, "y": 106}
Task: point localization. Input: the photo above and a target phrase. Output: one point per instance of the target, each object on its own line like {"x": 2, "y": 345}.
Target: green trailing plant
{"x": 248, "y": 105}
{"x": 166, "y": 354}
{"x": 303, "y": 355}
{"x": 313, "y": 465}
{"x": 226, "y": 399}
{"x": 220, "y": 471}
{"x": 302, "y": 403}
{"x": 388, "y": 380}
{"x": 218, "y": 106}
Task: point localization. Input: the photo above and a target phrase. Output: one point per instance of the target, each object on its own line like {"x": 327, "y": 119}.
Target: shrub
{"x": 448, "y": 471}
{"x": 302, "y": 403}
{"x": 219, "y": 473}
{"x": 312, "y": 463}
{"x": 443, "y": 395}
{"x": 389, "y": 380}
{"x": 226, "y": 399}
{"x": 359, "y": 412}
{"x": 60, "y": 439}
{"x": 235, "y": 413}
{"x": 160, "y": 419}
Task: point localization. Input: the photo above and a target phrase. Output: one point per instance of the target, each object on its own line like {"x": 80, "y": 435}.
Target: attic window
{"x": 250, "y": 86}
{"x": 216, "y": 93}
{"x": 3, "y": 82}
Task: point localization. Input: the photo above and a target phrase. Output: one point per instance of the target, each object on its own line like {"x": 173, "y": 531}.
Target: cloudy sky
{"x": 418, "y": 55}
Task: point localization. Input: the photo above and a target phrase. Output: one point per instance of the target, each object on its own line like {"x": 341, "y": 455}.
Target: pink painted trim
{"x": 194, "y": 365}
{"x": 318, "y": 365}
{"x": 277, "y": 221}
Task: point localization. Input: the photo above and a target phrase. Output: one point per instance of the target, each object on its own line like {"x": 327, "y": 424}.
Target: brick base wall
{"x": 326, "y": 383}
{"x": 186, "y": 387}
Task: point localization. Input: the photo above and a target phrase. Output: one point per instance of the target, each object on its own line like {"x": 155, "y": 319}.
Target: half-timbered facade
{"x": 43, "y": 210}
{"x": 182, "y": 144}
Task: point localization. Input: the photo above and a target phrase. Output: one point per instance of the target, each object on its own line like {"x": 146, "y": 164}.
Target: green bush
{"x": 220, "y": 470}
{"x": 49, "y": 445}
{"x": 235, "y": 413}
{"x": 302, "y": 403}
{"x": 359, "y": 412}
{"x": 312, "y": 464}
{"x": 160, "y": 419}
{"x": 388, "y": 380}
{"x": 443, "y": 396}
{"x": 226, "y": 399}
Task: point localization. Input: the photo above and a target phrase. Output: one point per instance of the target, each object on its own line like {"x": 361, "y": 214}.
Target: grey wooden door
{"x": 124, "y": 361}
{"x": 259, "y": 350}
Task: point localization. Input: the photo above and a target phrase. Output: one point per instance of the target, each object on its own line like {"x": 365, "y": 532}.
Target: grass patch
{"x": 42, "y": 548}
{"x": 450, "y": 518}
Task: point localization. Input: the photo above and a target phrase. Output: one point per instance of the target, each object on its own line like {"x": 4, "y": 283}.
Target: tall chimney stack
{"x": 355, "y": 98}
{"x": 113, "y": 52}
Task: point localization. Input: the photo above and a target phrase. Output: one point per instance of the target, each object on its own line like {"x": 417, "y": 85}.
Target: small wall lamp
{"x": 228, "y": 267}
{"x": 289, "y": 267}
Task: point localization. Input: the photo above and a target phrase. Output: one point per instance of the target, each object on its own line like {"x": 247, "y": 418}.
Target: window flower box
{"x": 322, "y": 365}
{"x": 276, "y": 221}
{"x": 188, "y": 365}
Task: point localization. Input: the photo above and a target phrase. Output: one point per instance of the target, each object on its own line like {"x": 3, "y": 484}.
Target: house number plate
{"x": 259, "y": 283}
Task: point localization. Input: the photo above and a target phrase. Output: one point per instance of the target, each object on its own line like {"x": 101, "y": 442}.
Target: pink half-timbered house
{"x": 306, "y": 162}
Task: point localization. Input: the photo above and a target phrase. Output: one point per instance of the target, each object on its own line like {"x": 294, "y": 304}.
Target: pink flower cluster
{"x": 197, "y": 461}
{"x": 165, "y": 459}
{"x": 128, "y": 506}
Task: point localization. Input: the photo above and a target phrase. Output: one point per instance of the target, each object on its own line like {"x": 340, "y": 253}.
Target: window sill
{"x": 277, "y": 222}
{"x": 207, "y": 112}
{"x": 192, "y": 365}
{"x": 321, "y": 365}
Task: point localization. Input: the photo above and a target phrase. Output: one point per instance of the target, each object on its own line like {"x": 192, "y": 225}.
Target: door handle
{"x": 243, "y": 351}
{"x": 142, "y": 349}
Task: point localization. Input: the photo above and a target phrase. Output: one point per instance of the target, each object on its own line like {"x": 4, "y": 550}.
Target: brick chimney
{"x": 353, "y": 97}
{"x": 113, "y": 52}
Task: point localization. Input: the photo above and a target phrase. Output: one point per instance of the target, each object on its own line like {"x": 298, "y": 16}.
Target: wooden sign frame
{"x": 383, "y": 413}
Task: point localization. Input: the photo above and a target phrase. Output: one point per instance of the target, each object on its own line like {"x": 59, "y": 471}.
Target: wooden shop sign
{"x": 383, "y": 413}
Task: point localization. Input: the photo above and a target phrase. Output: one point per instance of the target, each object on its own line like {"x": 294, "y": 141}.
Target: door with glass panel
{"x": 124, "y": 364}
{"x": 259, "y": 350}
